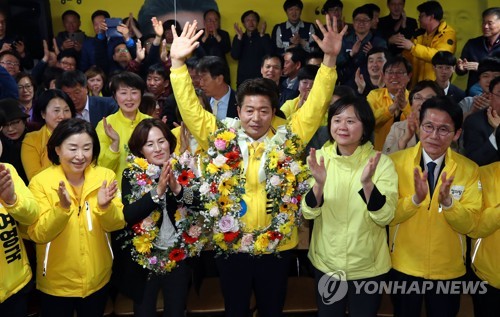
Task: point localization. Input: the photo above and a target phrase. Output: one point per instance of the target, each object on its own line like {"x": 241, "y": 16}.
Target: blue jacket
{"x": 100, "y": 107}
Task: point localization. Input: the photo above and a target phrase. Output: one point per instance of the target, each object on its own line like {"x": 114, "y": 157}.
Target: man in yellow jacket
{"x": 258, "y": 127}
{"x": 17, "y": 206}
{"x": 435, "y": 36}
{"x": 484, "y": 254}
{"x": 436, "y": 209}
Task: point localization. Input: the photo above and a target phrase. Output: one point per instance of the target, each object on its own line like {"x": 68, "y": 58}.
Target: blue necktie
{"x": 431, "y": 166}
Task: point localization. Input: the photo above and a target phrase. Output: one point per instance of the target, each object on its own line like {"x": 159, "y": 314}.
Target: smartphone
{"x": 112, "y": 23}
{"x": 77, "y": 37}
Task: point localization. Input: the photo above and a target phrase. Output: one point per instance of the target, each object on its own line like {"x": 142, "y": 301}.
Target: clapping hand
{"x": 7, "y": 190}
{"x": 106, "y": 194}
{"x": 64, "y": 197}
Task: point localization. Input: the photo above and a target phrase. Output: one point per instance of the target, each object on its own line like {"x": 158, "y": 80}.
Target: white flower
{"x": 246, "y": 242}
{"x": 153, "y": 171}
{"x": 281, "y": 155}
{"x": 211, "y": 151}
{"x": 228, "y": 224}
{"x": 214, "y": 211}
{"x": 185, "y": 159}
{"x": 275, "y": 180}
{"x": 286, "y": 199}
{"x": 220, "y": 160}
{"x": 204, "y": 188}
{"x": 295, "y": 168}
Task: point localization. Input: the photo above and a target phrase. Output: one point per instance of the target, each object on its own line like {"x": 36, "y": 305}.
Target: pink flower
{"x": 194, "y": 231}
{"x": 153, "y": 260}
{"x": 220, "y": 144}
{"x": 246, "y": 240}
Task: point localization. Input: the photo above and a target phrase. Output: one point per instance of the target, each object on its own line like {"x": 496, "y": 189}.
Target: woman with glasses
{"x": 26, "y": 88}
{"x": 52, "y": 107}
{"x": 13, "y": 132}
{"x": 403, "y": 134}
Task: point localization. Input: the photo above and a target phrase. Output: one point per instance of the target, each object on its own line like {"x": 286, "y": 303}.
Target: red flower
{"x": 137, "y": 228}
{"x": 274, "y": 235}
{"x": 214, "y": 188}
{"x": 233, "y": 159}
{"x": 177, "y": 255}
{"x": 185, "y": 176}
{"x": 299, "y": 198}
{"x": 230, "y": 236}
{"x": 188, "y": 238}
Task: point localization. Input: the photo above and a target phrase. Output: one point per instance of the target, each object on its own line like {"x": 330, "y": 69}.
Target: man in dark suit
{"x": 444, "y": 66}
{"x": 214, "y": 81}
{"x": 479, "y": 130}
{"x": 91, "y": 109}
{"x": 87, "y": 57}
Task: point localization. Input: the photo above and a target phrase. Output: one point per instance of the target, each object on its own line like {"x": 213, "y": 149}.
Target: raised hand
{"x": 112, "y": 134}
{"x": 238, "y": 30}
{"x": 421, "y": 186}
{"x": 318, "y": 170}
{"x": 444, "y": 197}
{"x": 157, "y": 26}
{"x": 360, "y": 81}
{"x": 140, "y": 52}
{"x": 124, "y": 31}
{"x": 184, "y": 44}
{"x": 64, "y": 197}
{"x": 493, "y": 117}
{"x": 369, "y": 170}
{"x": 262, "y": 28}
{"x": 7, "y": 190}
{"x": 106, "y": 194}
{"x": 332, "y": 40}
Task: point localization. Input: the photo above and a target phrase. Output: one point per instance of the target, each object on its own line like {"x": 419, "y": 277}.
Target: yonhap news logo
{"x": 332, "y": 287}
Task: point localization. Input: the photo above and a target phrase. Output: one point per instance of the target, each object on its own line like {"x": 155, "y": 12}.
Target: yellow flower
{"x": 285, "y": 229}
{"x": 222, "y": 245}
{"x": 155, "y": 216}
{"x": 273, "y": 163}
{"x": 290, "y": 177}
{"x": 261, "y": 242}
{"x": 286, "y": 207}
{"x": 226, "y": 136}
{"x": 212, "y": 169}
{"x": 141, "y": 162}
{"x": 226, "y": 186}
{"x": 224, "y": 202}
{"x": 178, "y": 215}
{"x": 219, "y": 237}
{"x": 170, "y": 265}
{"x": 237, "y": 245}
{"x": 290, "y": 146}
{"x": 143, "y": 244}
{"x": 173, "y": 162}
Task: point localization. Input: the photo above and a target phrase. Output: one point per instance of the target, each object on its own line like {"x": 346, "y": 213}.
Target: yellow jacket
{"x": 117, "y": 161}
{"x": 34, "y": 152}
{"x": 380, "y": 100}
{"x": 428, "y": 241}
{"x": 346, "y": 236}
{"x": 15, "y": 271}
{"x": 484, "y": 254}
{"x": 426, "y": 46}
{"x": 290, "y": 107}
{"x": 202, "y": 123}
{"x": 73, "y": 249}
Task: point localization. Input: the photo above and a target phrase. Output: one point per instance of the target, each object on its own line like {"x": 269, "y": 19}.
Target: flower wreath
{"x": 224, "y": 183}
{"x": 141, "y": 237}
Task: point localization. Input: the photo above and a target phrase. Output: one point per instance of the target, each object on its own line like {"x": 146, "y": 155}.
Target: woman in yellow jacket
{"x": 115, "y": 130}
{"x": 353, "y": 198}
{"x": 80, "y": 204}
{"x": 485, "y": 255}
{"x": 52, "y": 107}
{"x": 17, "y": 205}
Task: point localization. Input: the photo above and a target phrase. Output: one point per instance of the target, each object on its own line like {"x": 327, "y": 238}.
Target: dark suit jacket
{"x": 455, "y": 93}
{"x": 232, "y": 107}
{"x": 100, "y": 107}
{"x": 476, "y": 134}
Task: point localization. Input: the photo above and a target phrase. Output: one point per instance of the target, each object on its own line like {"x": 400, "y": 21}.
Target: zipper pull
{"x": 79, "y": 209}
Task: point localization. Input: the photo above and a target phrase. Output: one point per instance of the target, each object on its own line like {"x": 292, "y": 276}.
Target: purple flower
{"x": 153, "y": 260}
{"x": 220, "y": 144}
{"x": 228, "y": 224}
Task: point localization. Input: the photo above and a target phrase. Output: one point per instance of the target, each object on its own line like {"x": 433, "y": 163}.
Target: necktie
{"x": 215, "y": 107}
{"x": 431, "y": 166}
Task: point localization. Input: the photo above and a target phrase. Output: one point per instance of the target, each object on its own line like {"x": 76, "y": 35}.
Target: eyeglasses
{"x": 122, "y": 50}
{"x": 362, "y": 21}
{"x": 12, "y": 123}
{"x": 442, "y": 130}
{"x": 25, "y": 87}
{"x": 393, "y": 73}
{"x": 10, "y": 63}
{"x": 65, "y": 63}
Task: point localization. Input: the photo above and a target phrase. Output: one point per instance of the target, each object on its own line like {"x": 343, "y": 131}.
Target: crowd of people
{"x": 156, "y": 159}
